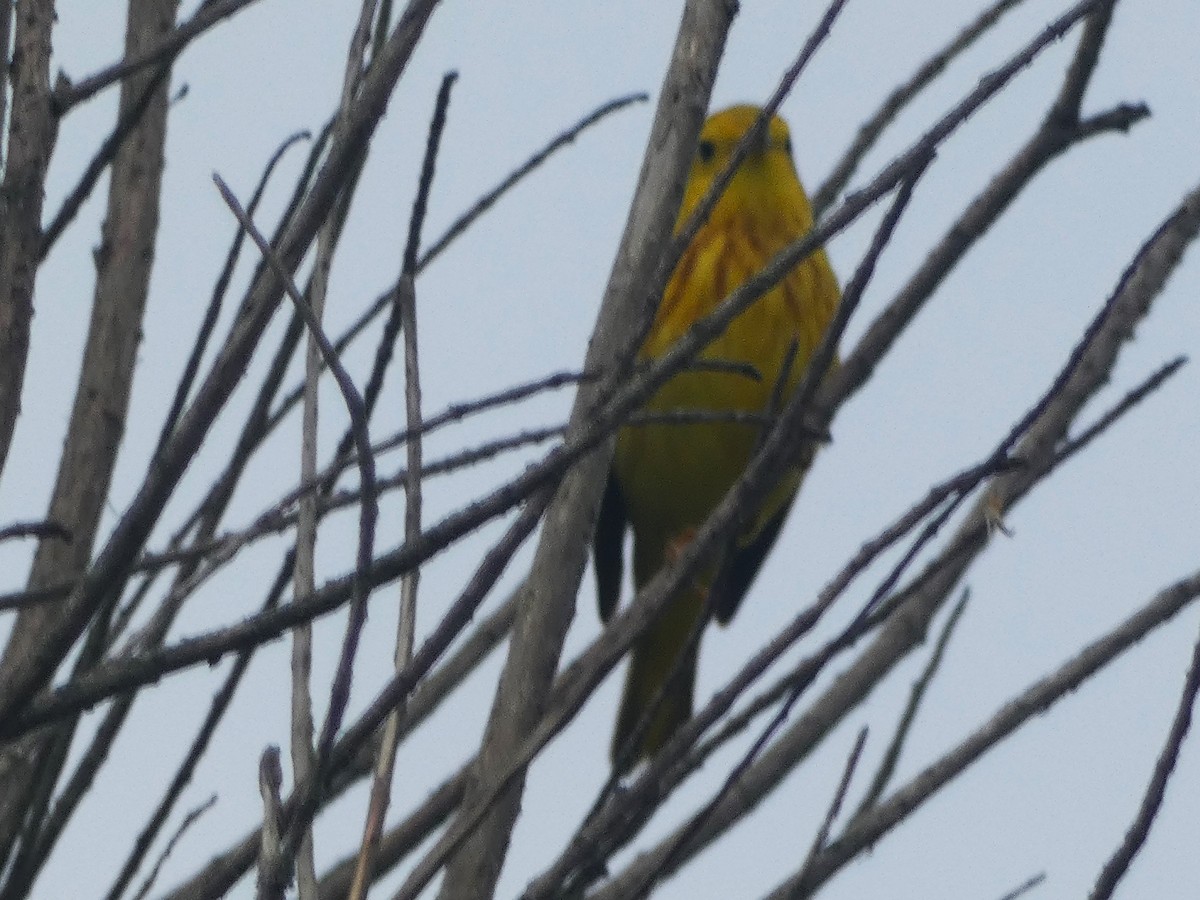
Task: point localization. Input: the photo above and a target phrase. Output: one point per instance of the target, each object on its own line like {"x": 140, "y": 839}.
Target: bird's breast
{"x": 674, "y": 473}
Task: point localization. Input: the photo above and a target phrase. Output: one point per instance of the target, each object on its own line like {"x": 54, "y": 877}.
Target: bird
{"x": 667, "y": 477}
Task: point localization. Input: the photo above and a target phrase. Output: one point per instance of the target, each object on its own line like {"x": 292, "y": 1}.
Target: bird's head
{"x": 765, "y": 182}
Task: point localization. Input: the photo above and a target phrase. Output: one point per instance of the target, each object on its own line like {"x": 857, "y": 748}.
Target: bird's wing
{"x": 608, "y": 547}
{"x": 745, "y": 555}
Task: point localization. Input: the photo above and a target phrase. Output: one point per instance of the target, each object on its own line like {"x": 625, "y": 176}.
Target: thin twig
{"x": 187, "y": 823}
{"x": 304, "y": 761}
{"x": 460, "y": 225}
{"x": 100, "y": 160}
{"x": 400, "y": 839}
{"x": 1053, "y": 137}
{"x": 183, "y": 773}
{"x": 365, "y": 459}
{"x": 1135, "y": 396}
{"x": 406, "y": 624}
{"x": 454, "y": 413}
{"x": 47, "y": 530}
{"x": 1025, "y": 886}
{"x": 298, "y": 840}
{"x": 213, "y": 312}
{"x": 802, "y": 674}
{"x": 208, "y": 15}
{"x": 1135, "y": 838}
{"x": 891, "y": 756}
{"x": 216, "y": 551}
{"x": 835, "y": 806}
{"x": 865, "y": 830}
{"x": 258, "y": 424}
{"x": 871, "y": 130}
{"x": 277, "y": 519}
{"x": 488, "y": 200}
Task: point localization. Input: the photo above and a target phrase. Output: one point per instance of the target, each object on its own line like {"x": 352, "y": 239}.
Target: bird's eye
{"x": 706, "y": 151}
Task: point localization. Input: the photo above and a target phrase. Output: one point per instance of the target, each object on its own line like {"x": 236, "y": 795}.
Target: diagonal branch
{"x": 1083, "y": 376}
{"x": 210, "y": 13}
{"x": 1115, "y": 869}
{"x": 548, "y": 606}
{"x": 896, "y": 102}
{"x": 887, "y": 767}
{"x": 866, "y": 829}
{"x": 28, "y": 673}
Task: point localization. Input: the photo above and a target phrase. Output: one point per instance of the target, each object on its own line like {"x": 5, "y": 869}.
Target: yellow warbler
{"x": 667, "y": 477}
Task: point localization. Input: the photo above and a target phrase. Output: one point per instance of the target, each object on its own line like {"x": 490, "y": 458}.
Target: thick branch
{"x": 123, "y": 263}
{"x": 31, "y": 671}
{"x": 548, "y": 606}
{"x": 31, "y": 136}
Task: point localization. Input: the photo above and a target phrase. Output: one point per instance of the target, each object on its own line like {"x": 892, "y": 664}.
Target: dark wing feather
{"x": 608, "y": 548}
{"x": 740, "y": 566}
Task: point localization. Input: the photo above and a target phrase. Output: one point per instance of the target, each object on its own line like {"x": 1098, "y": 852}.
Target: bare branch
{"x": 1053, "y": 137}
{"x": 31, "y": 135}
{"x": 887, "y": 767}
{"x": 110, "y": 569}
{"x": 822, "y": 837}
{"x": 1082, "y": 376}
{"x": 401, "y": 839}
{"x": 1025, "y": 887}
{"x": 183, "y": 774}
{"x": 866, "y": 829}
{"x": 488, "y": 200}
{"x": 192, "y": 367}
{"x": 1115, "y": 869}
{"x": 460, "y": 225}
{"x": 317, "y": 350}
{"x": 366, "y": 466}
{"x": 97, "y": 422}
{"x": 407, "y": 620}
{"x": 48, "y": 530}
{"x": 546, "y": 612}
{"x": 1135, "y": 396}
{"x": 208, "y": 15}
{"x": 218, "y": 877}
{"x": 870, "y": 132}
{"x": 188, "y": 820}
{"x": 128, "y": 120}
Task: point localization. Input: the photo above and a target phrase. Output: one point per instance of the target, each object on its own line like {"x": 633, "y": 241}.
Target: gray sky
{"x": 516, "y": 299}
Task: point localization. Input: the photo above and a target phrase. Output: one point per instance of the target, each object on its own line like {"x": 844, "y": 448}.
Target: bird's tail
{"x": 652, "y": 663}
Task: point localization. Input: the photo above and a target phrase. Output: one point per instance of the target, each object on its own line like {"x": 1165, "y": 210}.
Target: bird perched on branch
{"x": 667, "y": 477}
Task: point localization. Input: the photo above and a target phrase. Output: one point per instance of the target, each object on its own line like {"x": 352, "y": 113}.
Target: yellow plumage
{"x": 667, "y": 478}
